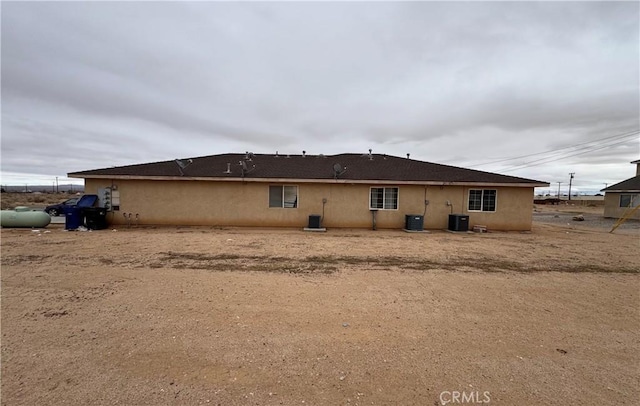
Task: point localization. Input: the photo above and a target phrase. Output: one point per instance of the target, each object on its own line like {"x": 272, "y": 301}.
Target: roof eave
{"x": 296, "y": 180}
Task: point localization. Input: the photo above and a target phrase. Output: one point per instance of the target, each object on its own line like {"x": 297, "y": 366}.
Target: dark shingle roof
{"x": 310, "y": 167}
{"x": 629, "y": 185}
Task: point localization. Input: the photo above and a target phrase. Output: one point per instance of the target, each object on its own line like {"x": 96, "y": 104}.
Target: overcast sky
{"x": 90, "y": 85}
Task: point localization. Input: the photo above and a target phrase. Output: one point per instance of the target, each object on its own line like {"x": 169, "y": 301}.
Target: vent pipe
{"x": 228, "y": 171}
{"x": 408, "y": 155}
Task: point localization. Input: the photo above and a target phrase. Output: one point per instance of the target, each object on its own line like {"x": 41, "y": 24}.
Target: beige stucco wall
{"x": 247, "y": 204}
{"x": 612, "y": 207}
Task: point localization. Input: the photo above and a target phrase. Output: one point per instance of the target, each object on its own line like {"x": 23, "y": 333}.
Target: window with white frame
{"x": 629, "y": 200}
{"x": 384, "y": 198}
{"x": 482, "y": 199}
{"x": 283, "y": 196}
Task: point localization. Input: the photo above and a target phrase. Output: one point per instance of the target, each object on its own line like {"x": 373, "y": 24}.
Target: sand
{"x": 232, "y": 316}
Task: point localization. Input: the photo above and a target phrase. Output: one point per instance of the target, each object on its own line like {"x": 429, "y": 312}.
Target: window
{"x": 385, "y": 198}
{"x": 629, "y": 200}
{"x": 482, "y": 199}
{"x": 283, "y": 196}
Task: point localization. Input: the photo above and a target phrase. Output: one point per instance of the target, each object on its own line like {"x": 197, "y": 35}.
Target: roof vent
{"x": 228, "y": 171}
{"x": 408, "y": 155}
{"x": 370, "y": 154}
{"x": 277, "y": 156}
{"x": 304, "y": 153}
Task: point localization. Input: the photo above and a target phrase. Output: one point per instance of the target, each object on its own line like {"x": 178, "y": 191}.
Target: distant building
{"x": 623, "y": 196}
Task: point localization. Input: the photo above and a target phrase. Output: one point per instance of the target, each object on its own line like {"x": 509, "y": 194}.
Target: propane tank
{"x": 23, "y": 216}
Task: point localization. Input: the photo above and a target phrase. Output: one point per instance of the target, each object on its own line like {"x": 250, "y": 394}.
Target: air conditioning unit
{"x": 414, "y": 222}
{"x": 458, "y": 222}
{"x": 314, "y": 221}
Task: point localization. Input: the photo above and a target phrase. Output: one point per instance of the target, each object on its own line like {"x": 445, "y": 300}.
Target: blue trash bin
{"x": 73, "y": 217}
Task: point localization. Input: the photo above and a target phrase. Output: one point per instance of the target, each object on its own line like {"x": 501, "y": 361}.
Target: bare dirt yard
{"x": 188, "y": 316}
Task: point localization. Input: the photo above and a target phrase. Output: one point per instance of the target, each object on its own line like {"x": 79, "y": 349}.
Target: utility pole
{"x": 559, "y": 190}
{"x": 570, "y": 181}
{"x": 57, "y": 188}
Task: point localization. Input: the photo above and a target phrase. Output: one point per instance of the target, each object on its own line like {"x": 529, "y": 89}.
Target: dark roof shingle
{"x": 358, "y": 167}
{"x": 629, "y": 185}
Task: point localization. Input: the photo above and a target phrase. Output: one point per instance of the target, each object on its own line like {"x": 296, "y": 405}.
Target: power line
{"x": 556, "y": 151}
{"x": 547, "y": 160}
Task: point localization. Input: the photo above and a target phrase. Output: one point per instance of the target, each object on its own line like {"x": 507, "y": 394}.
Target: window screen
{"x": 283, "y": 196}
{"x": 385, "y": 198}
{"x": 482, "y": 199}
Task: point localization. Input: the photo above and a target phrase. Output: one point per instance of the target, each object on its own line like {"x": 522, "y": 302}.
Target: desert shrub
{"x": 11, "y": 200}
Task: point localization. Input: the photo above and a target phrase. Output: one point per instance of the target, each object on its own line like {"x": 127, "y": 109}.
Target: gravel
{"x": 590, "y": 221}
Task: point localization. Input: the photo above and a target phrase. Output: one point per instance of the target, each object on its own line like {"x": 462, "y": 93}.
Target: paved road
{"x": 57, "y": 220}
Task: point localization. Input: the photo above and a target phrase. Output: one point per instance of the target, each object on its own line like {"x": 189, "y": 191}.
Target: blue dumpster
{"x": 74, "y": 215}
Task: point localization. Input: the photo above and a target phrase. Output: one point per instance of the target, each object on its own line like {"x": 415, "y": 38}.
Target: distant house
{"x": 274, "y": 190}
{"x": 621, "y": 197}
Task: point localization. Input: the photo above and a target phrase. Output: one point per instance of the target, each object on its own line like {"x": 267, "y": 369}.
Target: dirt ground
{"x": 150, "y": 316}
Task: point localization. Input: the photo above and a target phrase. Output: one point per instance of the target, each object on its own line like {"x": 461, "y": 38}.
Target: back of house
{"x": 275, "y": 190}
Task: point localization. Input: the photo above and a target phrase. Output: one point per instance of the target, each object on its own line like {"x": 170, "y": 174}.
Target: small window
{"x": 385, "y": 198}
{"x": 482, "y": 199}
{"x": 629, "y": 200}
{"x": 283, "y": 196}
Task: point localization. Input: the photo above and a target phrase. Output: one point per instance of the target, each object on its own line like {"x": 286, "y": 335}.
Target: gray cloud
{"x": 87, "y": 85}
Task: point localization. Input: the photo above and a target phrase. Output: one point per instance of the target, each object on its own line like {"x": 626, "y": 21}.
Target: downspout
{"x": 324, "y": 201}
{"x": 465, "y": 192}
{"x": 426, "y": 202}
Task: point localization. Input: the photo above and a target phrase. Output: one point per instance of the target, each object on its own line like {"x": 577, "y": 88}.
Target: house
{"x": 275, "y": 190}
{"x": 623, "y": 197}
